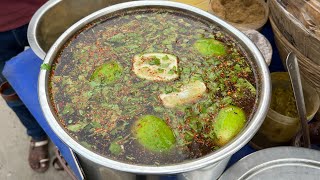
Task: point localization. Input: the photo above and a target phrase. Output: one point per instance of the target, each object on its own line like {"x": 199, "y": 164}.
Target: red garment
{"x": 16, "y": 13}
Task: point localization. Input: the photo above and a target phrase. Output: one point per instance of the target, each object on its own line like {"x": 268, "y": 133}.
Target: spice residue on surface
{"x": 129, "y": 72}
{"x": 239, "y": 11}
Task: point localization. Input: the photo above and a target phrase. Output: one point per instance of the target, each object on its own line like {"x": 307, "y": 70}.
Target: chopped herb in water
{"x": 152, "y": 87}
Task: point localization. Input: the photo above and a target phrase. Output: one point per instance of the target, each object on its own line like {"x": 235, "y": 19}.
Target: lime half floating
{"x": 228, "y": 123}
{"x": 156, "y": 66}
{"x": 153, "y": 134}
{"x": 210, "y": 47}
{"x": 107, "y": 73}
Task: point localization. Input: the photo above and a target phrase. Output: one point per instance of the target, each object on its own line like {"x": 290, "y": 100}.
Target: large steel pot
{"x": 207, "y": 167}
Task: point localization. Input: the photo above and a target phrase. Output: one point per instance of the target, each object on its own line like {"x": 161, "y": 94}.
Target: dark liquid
{"x": 98, "y": 114}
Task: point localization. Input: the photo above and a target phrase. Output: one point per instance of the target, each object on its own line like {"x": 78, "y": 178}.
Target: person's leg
{"x": 33, "y": 128}
{"x": 11, "y": 44}
{"x": 8, "y": 49}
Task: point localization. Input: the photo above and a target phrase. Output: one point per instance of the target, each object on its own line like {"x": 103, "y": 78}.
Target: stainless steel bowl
{"x": 277, "y": 163}
{"x": 207, "y": 167}
{"x": 56, "y": 16}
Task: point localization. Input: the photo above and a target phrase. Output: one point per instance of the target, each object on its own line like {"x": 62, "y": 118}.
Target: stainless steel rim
{"x": 250, "y": 166}
{"x": 220, "y": 154}
{"x": 34, "y": 44}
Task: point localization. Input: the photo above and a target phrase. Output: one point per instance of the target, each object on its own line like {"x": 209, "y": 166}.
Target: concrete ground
{"x": 14, "y": 151}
